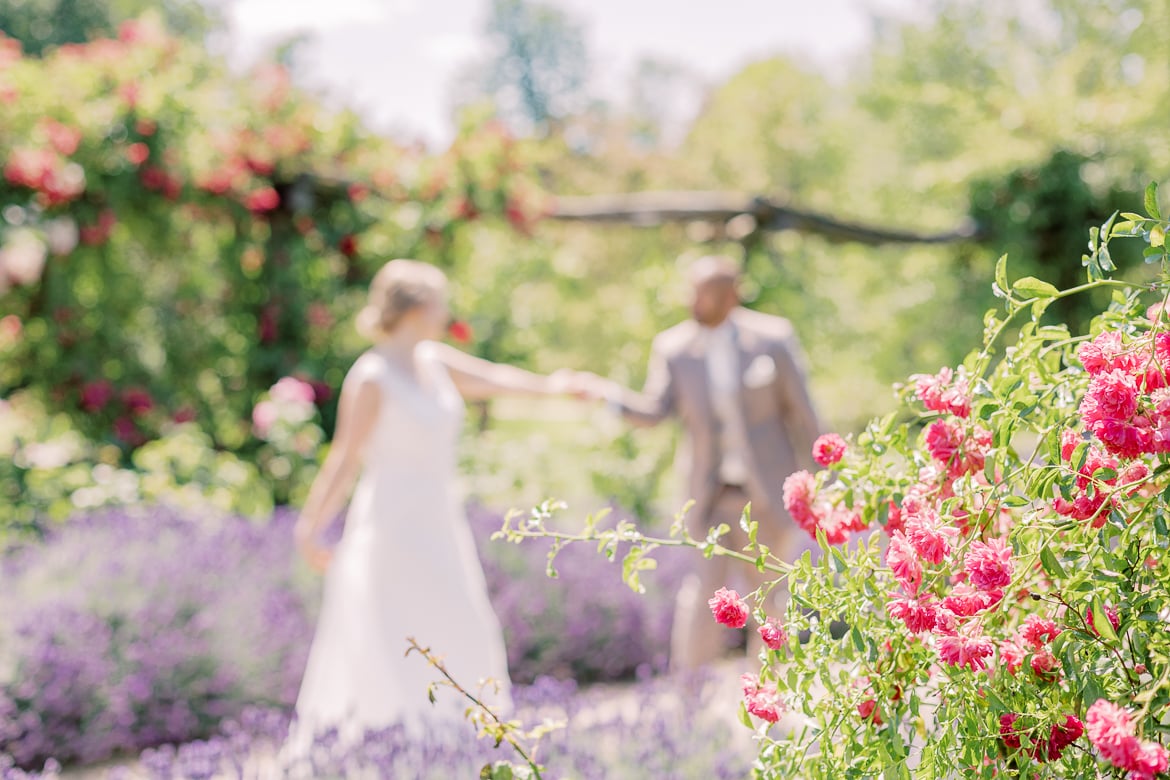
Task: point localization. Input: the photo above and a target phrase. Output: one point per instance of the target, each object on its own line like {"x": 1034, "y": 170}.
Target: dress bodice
{"x": 419, "y": 420}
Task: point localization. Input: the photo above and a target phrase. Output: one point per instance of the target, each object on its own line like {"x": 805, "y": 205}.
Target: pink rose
{"x": 799, "y": 488}
{"x": 930, "y": 537}
{"x": 264, "y": 416}
{"x": 920, "y": 615}
{"x": 1103, "y": 353}
{"x": 1122, "y": 439}
{"x": 763, "y": 701}
{"x": 773, "y": 634}
{"x": 1012, "y": 654}
{"x": 291, "y": 390}
{"x": 138, "y": 401}
{"x": 828, "y": 449}
{"x": 966, "y": 601}
{"x": 1111, "y": 395}
{"x": 1044, "y": 664}
{"x": 729, "y": 608}
{"x": 944, "y": 392}
{"x": 903, "y": 562}
{"x": 989, "y": 565}
{"x": 966, "y": 648}
{"x": 1111, "y": 731}
{"x": 1038, "y": 631}
{"x": 943, "y": 440}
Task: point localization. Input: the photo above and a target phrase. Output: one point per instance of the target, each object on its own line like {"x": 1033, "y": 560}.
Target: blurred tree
{"x": 44, "y": 24}
{"x": 537, "y": 66}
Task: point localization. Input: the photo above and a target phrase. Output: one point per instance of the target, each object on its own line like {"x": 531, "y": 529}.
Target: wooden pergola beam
{"x": 754, "y": 213}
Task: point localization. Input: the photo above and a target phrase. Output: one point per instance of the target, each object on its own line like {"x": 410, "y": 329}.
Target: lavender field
{"x": 155, "y": 643}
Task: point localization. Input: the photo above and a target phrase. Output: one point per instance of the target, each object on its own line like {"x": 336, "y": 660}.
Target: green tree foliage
{"x": 41, "y": 25}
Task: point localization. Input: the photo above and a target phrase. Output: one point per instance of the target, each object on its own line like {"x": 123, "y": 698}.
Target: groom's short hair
{"x": 714, "y": 268}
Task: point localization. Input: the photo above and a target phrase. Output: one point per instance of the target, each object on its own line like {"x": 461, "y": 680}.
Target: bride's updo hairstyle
{"x": 399, "y": 287}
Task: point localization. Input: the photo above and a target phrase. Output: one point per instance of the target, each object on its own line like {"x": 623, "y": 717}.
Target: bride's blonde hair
{"x": 399, "y": 287}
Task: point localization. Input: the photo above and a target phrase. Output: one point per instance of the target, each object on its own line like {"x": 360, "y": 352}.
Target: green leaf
{"x": 1001, "y": 279}
{"x": 1079, "y": 455}
{"x": 1031, "y": 287}
{"x": 858, "y": 642}
{"x": 744, "y": 718}
{"x": 1101, "y": 621}
{"x": 1152, "y": 200}
{"x": 1158, "y": 236}
{"x": 1050, "y": 563}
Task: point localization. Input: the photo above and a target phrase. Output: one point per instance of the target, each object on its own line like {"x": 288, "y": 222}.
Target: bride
{"x": 406, "y": 564}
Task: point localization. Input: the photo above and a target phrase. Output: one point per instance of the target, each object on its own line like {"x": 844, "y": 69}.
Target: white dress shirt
{"x": 723, "y": 369}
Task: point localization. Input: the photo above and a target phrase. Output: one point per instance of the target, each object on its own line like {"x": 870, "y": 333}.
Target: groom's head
{"x": 715, "y": 289}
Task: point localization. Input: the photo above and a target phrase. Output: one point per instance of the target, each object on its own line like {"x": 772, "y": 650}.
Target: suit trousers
{"x": 696, "y": 638}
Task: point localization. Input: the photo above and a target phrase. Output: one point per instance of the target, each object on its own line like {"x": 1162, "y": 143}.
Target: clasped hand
{"x": 583, "y": 385}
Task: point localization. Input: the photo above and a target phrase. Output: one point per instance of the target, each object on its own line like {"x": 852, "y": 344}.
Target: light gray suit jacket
{"x": 779, "y": 416}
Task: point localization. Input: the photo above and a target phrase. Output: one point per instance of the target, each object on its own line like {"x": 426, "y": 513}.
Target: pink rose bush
{"x": 989, "y": 591}
{"x": 287, "y": 420}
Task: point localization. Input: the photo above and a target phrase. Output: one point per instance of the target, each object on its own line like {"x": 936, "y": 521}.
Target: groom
{"x": 733, "y": 378}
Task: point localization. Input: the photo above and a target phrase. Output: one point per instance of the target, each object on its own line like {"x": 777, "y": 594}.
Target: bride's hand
{"x": 315, "y": 554}
{"x": 582, "y": 385}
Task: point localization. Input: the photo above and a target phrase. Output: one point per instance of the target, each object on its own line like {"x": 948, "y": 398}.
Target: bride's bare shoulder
{"x": 370, "y": 367}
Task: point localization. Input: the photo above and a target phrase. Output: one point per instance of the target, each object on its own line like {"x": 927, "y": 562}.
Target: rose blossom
{"x": 1007, "y": 730}
{"x": 903, "y": 562}
{"x": 264, "y": 416}
{"x": 1103, "y": 353}
{"x": 1062, "y": 735}
{"x": 763, "y": 701}
{"x": 1038, "y": 631}
{"x": 1111, "y": 731}
{"x": 292, "y": 390}
{"x": 966, "y": 601}
{"x": 966, "y": 648}
{"x": 828, "y": 449}
{"x": 989, "y": 565}
{"x": 944, "y": 392}
{"x": 919, "y": 614}
{"x": 728, "y": 608}
{"x": 1112, "y": 395}
{"x": 1122, "y": 438}
{"x": 1044, "y": 665}
{"x": 798, "y": 498}
{"x": 868, "y": 710}
{"x": 773, "y": 634}
{"x": 930, "y": 537}
{"x": 1012, "y": 654}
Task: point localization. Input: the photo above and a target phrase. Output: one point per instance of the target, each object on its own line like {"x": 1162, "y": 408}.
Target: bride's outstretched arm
{"x": 478, "y": 379}
{"x": 357, "y": 406}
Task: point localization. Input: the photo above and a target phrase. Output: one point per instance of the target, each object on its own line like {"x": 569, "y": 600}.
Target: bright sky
{"x": 394, "y": 60}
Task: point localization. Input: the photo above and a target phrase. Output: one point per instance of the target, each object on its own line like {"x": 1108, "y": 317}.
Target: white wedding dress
{"x": 406, "y": 566}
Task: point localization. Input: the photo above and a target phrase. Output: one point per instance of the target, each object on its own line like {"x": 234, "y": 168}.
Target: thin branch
{"x": 505, "y": 729}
